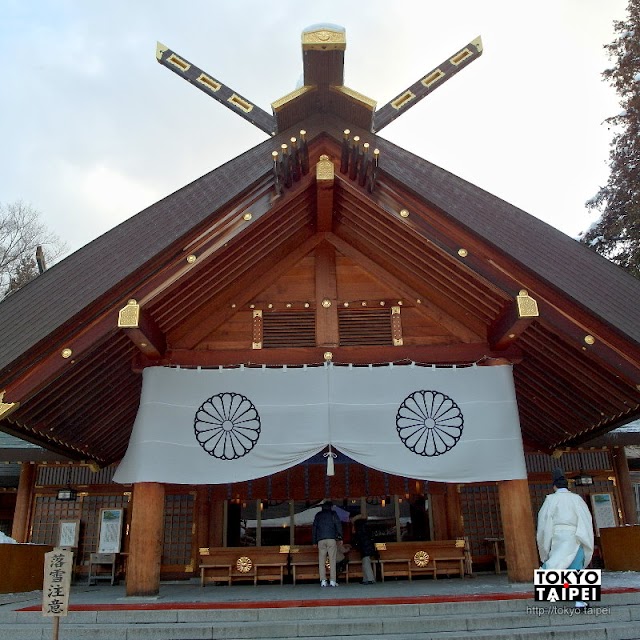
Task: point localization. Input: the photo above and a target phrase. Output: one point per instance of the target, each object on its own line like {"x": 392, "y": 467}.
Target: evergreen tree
{"x": 616, "y": 235}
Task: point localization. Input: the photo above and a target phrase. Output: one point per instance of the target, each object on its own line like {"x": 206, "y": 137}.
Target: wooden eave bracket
{"x": 6, "y": 408}
{"x": 142, "y": 330}
{"x": 512, "y": 322}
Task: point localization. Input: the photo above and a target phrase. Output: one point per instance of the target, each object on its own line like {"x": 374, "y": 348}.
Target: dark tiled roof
{"x": 32, "y": 313}
{"x": 580, "y": 273}
{"x": 28, "y": 316}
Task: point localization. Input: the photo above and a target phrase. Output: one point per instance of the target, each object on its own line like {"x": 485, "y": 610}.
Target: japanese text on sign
{"x": 58, "y": 567}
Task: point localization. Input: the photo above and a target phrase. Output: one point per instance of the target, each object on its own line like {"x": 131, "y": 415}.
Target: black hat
{"x": 558, "y": 479}
{"x": 327, "y": 504}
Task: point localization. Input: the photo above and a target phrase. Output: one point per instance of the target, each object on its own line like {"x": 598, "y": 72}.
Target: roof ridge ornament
{"x": 323, "y": 47}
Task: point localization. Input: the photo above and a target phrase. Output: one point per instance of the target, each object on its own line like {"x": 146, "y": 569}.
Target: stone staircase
{"x": 515, "y": 619}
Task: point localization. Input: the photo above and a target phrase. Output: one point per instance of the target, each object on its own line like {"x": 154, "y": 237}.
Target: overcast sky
{"x": 93, "y": 129}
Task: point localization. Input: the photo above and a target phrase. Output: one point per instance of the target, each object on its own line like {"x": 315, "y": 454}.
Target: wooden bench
{"x": 433, "y": 558}
{"x": 243, "y": 564}
{"x": 354, "y": 567}
{"x": 303, "y": 561}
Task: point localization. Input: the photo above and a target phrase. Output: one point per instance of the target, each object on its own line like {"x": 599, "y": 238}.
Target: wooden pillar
{"x": 203, "y": 516}
{"x": 24, "y": 500}
{"x": 519, "y": 530}
{"x": 455, "y": 524}
{"x": 217, "y": 524}
{"x": 621, "y": 468}
{"x": 438, "y": 510}
{"x": 145, "y": 541}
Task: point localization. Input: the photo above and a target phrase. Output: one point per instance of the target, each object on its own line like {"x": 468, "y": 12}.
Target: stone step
{"x": 488, "y": 619}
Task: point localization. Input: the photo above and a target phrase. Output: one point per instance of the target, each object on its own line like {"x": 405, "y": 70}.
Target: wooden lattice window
{"x": 288, "y": 329}
{"x": 48, "y": 511}
{"x": 481, "y": 514}
{"x": 178, "y": 529}
{"x": 360, "y": 327}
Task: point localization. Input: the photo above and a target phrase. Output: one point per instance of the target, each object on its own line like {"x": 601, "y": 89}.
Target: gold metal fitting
{"x": 328, "y": 356}
{"x": 404, "y": 213}
{"x": 247, "y": 216}
{"x": 463, "y": 253}
{"x": 326, "y": 303}
{"x": 589, "y": 339}
{"x": 129, "y": 315}
{"x": 191, "y": 259}
{"x": 527, "y": 306}
{"x": 66, "y": 353}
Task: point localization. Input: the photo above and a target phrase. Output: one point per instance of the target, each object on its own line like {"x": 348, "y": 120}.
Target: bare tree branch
{"x": 21, "y": 232}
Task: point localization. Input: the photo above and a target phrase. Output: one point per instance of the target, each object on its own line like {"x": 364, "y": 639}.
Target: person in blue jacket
{"x": 327, "y": 530}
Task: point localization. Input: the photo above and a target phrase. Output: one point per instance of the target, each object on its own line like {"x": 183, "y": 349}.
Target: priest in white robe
{"x": 565, "y": 529}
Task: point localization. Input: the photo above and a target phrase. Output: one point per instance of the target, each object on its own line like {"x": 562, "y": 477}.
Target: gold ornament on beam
{"x": 129, "y": 315}
{"x": 325, "y": 170}
{"x": 7, "y": 407}
{"x": 527, "y": 306}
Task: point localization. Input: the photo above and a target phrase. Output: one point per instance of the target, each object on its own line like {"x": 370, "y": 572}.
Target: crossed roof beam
{"x": 323, "y": 89}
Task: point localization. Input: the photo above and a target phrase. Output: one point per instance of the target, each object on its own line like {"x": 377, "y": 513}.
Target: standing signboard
{"x": 110, "y": 530}
{"x": 69, "y": 533}
{"x": 604, "y": 514}
{"x": 58, "y": 568}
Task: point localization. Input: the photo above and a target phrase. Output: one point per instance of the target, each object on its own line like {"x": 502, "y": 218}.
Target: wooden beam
{"x": 437, "y": 354}
{"x": 216, "y": 89}
{"x": 201, "y": 323}
{"x": 574, "y": 322}
{"x": 325, "y": 180}
{"x": 423, "y": 87}
{"x": 512, "y": 322}
{"x": 425, "y": 307}
{"x": 64, "y": 357}
{"x": 142, "y": 330}
{"x": 327, "y": 334}
{"x": 30, "y": 454}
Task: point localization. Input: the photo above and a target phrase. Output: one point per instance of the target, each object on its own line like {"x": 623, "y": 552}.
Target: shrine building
{"x": 324, "y": 316}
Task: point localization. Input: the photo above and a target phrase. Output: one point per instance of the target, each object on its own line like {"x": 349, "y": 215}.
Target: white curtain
{"x": 230, "y": 425}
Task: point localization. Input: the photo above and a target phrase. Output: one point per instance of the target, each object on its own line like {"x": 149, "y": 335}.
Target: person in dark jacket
{"x": 327, "y": 530}
{"x": 363, "y": 542}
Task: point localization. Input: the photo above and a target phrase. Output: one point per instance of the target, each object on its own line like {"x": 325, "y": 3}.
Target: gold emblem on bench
{"x": 244, "y": 564}
{"x": 421, "y": 558}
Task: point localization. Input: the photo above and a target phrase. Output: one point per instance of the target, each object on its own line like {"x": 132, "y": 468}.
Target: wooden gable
{"x": 181, "y": 283}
